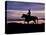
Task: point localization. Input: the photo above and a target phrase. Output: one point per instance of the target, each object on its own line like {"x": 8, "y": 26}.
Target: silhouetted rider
{"x": 29, "y": 13}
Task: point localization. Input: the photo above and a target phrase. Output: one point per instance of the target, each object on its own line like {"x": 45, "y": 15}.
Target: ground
{"x": 13, "y": 28}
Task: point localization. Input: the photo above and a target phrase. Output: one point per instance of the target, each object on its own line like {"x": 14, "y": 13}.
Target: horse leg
{"x": 34, "y": 21}
{"x": 27, "y": 22}
{"x": 24, "y": 21}
{"x": 37, "y": 21}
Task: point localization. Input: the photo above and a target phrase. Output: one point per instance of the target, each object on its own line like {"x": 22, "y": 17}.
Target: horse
{"x": 29, "y": 18}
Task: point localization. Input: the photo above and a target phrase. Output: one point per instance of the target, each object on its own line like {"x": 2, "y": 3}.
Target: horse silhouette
{"x": 29, "y": 18}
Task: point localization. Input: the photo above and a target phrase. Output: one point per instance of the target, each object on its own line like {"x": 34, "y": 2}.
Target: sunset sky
{"x": 16, "y": 9}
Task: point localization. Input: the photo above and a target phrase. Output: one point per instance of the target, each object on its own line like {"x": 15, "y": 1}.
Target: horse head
{"x": 23, "y": 16}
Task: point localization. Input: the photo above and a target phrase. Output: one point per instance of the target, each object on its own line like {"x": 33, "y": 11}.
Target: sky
{"x": 12, "y": 5}
{"x": 16, "y": 9}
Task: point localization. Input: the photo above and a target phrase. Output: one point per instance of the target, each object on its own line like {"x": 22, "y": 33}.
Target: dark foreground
{"x": 13, "y": 28}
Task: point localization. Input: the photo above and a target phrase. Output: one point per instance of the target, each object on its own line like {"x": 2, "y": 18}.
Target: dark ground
{"x": 13, "y": 28}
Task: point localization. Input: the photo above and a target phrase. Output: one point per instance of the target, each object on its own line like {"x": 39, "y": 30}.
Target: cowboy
{"x": 29, "y": 13}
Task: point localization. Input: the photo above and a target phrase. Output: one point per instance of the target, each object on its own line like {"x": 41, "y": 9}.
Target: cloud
{"x": 13, "y": 14}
